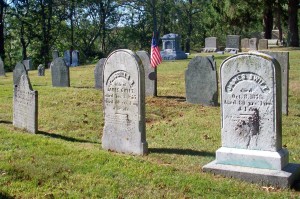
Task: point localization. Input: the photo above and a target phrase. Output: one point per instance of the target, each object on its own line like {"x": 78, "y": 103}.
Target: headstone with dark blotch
{"x": 233, "y": 43}
{"x": 283, "y": 59}
{"x": 28, "y": 64}
{"x": 211, "y": 44}
{"x": 253, "y": 44}
{"x": 124, "y": 104}
{"x": 41, "y": 70}
{"x": 245, "y": 44}
{"x": 262, "y": 44}
{"x": 2, "y": 70}
{"x": 67, "y": 57}
{"x": 75, "y": 58}
{"x": 55, "y": 54}
{"x": 25, "y": 106}
{"x": 98, "y": 73}
{"x": 251, "y": 126}
{"x": 60, "y": 73}
{"x": 201, "y": 81}
{"x": 150, "y": 74}
{"x": 19, "y": 70}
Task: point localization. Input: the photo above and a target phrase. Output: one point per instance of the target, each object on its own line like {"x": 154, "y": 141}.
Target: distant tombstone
{"x": 55, "y": 54}
{"x": 275, "y": 34}
{"x": 263, "y": 44}
{"x": 251, "y": 123}
{"x": 150, "y": 74}
{"x": 283, "y": 60}
{"x": 2, "y": 71}
{"x": 233, "y": 43}
{"x": 171, "y": 47}
{"x": 98, "y": 73}
{"x": 28, "y": 64}
{"x": 60, "y": 73}
{"x": 211, "y": 44}
{"x": 201, "y": 84}
{"x": 41, "y": 70}
{"x": 273, "y": 43}
{"x": 25, "y": 106}
{"x": 75, "y": 58}
{"x": 19, "y": 70}
{"x": 124, "y": 104}
{"x": 245, "y": 44}
{"x": 67, "y": 57}
{"x": 253, "y": 44}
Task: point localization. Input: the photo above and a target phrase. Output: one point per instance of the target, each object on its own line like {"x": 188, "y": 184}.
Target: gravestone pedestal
{"x": 233, "y": 44}
{"x": 171, "y": 47}
{"x": 211, "y": 44}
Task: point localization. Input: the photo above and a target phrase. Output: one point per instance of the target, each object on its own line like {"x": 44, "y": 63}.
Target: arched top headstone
{"x": 60, "y": 73}
{"x": 19, "y": 70}
{"x": 98, "y": 73}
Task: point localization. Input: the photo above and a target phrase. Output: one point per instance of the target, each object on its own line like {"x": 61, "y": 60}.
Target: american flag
{"x": 155, "y": 55}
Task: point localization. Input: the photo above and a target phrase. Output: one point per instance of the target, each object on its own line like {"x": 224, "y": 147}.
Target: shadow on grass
{"x": 177, "y": 98}
{"x": 181, "y": 152}
{"x": 5, "y": 122}
{"x": 69, "y": 139}
{"x": 5, "y": 195}
{"x": 83, "y": 87}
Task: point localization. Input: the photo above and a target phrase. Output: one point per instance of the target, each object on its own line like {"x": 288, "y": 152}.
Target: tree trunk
{"x": 268, "y": 18}
{"x": 293, "y": 22}
{"x": 278, "y": 23}
{"x": 190, "y": 27}
{"x": 2, "y": 51}
{"x": 23, "y": 42}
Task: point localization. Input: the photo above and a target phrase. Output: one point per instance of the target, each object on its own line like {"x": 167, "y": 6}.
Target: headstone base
{"x": 141, "y": 149}
{"x": 232, "y": 50}
{"x": 209, "y": 50}
{"x": 278, "y": 178}
{"x": 174, "y": 55}
{"x": 253, "y": 158}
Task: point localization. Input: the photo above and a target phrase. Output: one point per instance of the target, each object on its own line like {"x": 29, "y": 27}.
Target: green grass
{"x": 65, "y": 159}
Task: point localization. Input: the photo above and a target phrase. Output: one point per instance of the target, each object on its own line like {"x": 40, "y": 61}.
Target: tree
{"x": 3, "y": 5}
{"x": 293, "y": 22}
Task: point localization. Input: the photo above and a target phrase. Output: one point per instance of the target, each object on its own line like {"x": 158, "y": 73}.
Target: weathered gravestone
{"x": 25, "y": 102}
{"x": 98, "y": 73}
{"x": 75, "y": 58}
{"x": 233, "y": 43}
{"x": 55, "y": 54}
{"x": 273, "y": 43}
{"x": 201, "y": 84}
{"x": 245, "y": 44}
{"x": 211, "y": 44}
{"x": 2, "y": 71}
{"x": 150, "y": 74}
{"x": 19, "y": 70}
{"x": 253, "y": 44}
{"x": 251, "y": 123}
{"x": 171, "y": 47}
{"x": 124, "y": 103}
{"x": 41, "y": 70}
{"x": 60, "y": 73}
{"x": 28, "y": 64}
{"x": 67, "y": 57}
{"x": 283, "y": 60}
{"x": 262, "y": 44}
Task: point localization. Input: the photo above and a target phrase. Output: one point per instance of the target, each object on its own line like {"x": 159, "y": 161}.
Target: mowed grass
{"x": 65, "y": 159}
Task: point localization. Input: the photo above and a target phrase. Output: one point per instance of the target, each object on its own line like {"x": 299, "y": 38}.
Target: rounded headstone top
{"x": 171, "y": 36}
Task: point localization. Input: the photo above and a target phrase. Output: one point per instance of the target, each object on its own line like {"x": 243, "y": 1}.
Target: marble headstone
{"x": 75, "y": 58}
{"x": 150, "y": 74}
{"x": 171, "y": 47}
{"x": 28, "y": 64}
{"x": 262, "y": 44}
{"x": 245, "y": 44}
{"x": 41, "y": 70}
{"x": 67, "y": 57}
{"x": 233, "y": 43}
{"x": 283, "y": 60}
{"x": 201, "y": 84}
{"x": 211, "y": 44}
{"x": 60, "y": 73}
{"x": 19, "y": 70}
{"x": 25, "y": 106}
{"x": 55, "y": 54}
{"x": 124, "y": 103}
{"x": 2, "y": 71}
{"x": 98, "y": 73}
{"x": 253, "y": 44}
{"x": 251, "y": 122}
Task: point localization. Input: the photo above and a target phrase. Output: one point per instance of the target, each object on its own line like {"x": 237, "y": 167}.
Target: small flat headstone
{"x": 233, "y": 43}
{"x": 2, "y": 71}
{"x": 98, "y": 73}
{"x": 19, "y": 70}
{"x": 245, "y": 44}
{"x": 201, "y": 81}
{"x": 124, "y": 104}
{"x": 55, "y": 54}
{"x": 150, "y": 74}
{"x": 67, "y": 57}
{"x": 211, "y": 44}
{"x": 41, "y": 70}
{"x": 75, "y": 58}
{"x": 253, "y": 44}
{"x": 262, "y": 44}
{"x": 60, "y": 73}
{"x": 25, "y": 106}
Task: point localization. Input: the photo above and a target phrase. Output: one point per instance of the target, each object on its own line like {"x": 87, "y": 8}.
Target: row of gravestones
{"x": 201, "y": 80}
{"x": 71, "y": 57}
{"x": 234, "y": 44}
{"x": 250, "y": 110}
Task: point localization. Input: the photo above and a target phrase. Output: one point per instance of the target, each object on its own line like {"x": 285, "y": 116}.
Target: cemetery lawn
{"x": 65, "y": 159}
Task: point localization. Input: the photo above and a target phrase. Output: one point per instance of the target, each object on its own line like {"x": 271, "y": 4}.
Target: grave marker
{"x": 55, "y": 54}
{"x": 60, "y": 73}
{"x": 67, "y": 57}
{"x": 124, "y": 103}
{"x": 245, "y": 44}
{"x": 2, "y": 70}
{"x": 262, "y": 44}
{"x": 211, "y": 44}
{"x": 19, "y": 70}
{"x": 75, "y": 58}
{"x": 25, "y": 106}
{"x": 41, "y": 70}
{"x": 233, "y": 43}
{"x": 253, "y": 44}
{"x": 98, "y": 73}
{"x": 28, "y": 64}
